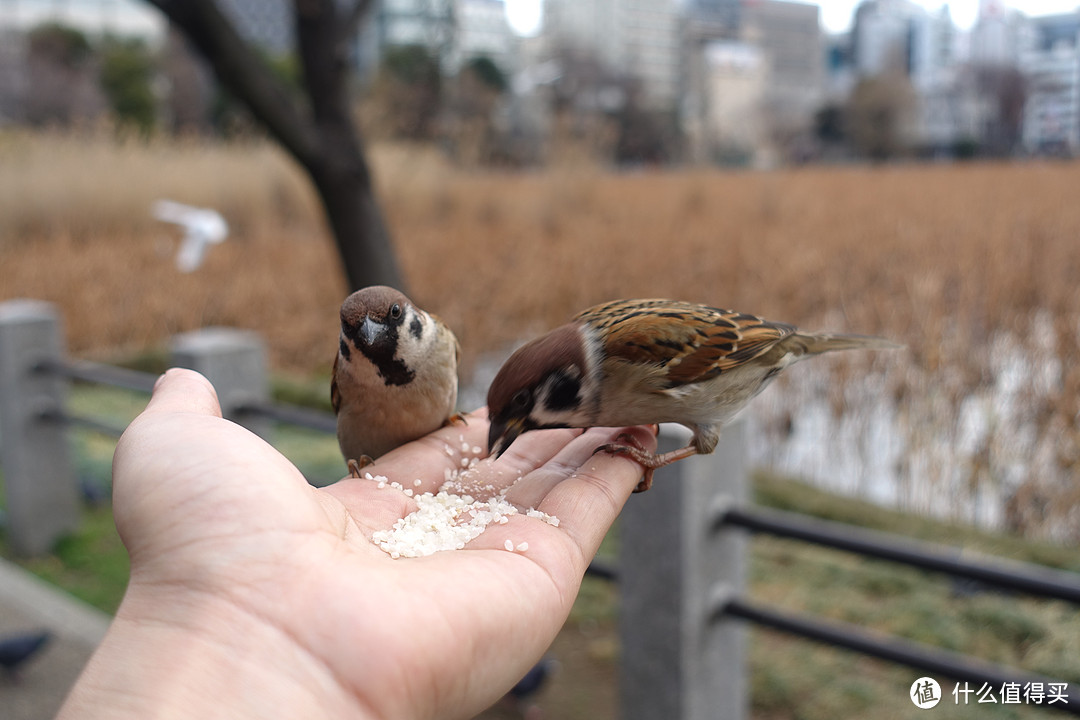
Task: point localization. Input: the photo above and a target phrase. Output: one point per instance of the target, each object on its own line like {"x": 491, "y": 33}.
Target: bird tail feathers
{"x": 815, "y": 344}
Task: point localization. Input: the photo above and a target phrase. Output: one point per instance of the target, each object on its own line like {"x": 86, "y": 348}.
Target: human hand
{"x": 253, "y": 594}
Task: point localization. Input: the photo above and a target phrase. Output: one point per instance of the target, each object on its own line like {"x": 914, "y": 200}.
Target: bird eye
{"x": 521, "y": 399}
{"x": 395, "y": 311}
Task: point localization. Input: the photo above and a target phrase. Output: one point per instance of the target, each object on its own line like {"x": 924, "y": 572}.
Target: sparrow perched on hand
{"x": 638, "y": 362}
{"x": 395, "y": 374}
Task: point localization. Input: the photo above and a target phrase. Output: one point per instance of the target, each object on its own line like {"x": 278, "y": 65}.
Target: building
{"x": 483, "y": 31}
{"x": 881, "y": 35}
{"x": 931, "y": 51}
{"x": 735, "y": 127}
{"x": 636, "y": 38}
{"x": 1051, "y": 65}
{"x": 999, "y": 35}
{"x": 769, "y": 70}
{"x": 429, "y": 23}
{"x": 722, "y": 12}
{"x": 789, "y": 35}
{"x": 952, "y": 112}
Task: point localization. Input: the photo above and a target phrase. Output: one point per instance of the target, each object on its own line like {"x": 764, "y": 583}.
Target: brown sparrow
{"x": 395, "y": 374}
{"x": 639, "y": 362}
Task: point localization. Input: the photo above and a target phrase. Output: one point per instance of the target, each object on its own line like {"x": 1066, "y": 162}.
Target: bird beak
{"x": 502, "y": 434}
{"x": 371, "y": 331}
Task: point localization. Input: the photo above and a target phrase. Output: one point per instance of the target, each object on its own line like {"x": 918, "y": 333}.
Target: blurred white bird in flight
{"x": 203, "y": 227}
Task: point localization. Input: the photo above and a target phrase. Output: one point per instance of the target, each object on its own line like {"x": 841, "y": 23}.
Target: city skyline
{"x": 525, "y": 16}
{"x": 837, "y": 15}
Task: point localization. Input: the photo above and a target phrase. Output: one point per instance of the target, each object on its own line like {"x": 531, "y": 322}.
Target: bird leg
{"x": 356, "y": 465}
{"x": 631, "y": 448}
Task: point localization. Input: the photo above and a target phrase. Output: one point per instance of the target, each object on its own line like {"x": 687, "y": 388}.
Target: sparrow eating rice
{"x": 395, "y": 375}
{"x": 641, "y": 362}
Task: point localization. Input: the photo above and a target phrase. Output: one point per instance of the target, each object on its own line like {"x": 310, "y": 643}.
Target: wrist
{"x": 202, "y": 657}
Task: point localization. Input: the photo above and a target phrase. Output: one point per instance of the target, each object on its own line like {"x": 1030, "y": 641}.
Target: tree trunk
{"x": 321, "y": 137}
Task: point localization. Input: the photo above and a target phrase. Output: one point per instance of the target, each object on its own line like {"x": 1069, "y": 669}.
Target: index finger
{"x": 588, "y": 501}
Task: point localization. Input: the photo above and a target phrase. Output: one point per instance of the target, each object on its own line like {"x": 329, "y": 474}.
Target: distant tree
{"x": 318, "y": 129}
{"x": 127, "y": 75}
{"x": 186, "y": 106}
{"x": 469, "y": 126}
{"x": 645, "y": 136}
{"x": 409, "y": 89}
{"x": 62, "y": 89}
{"x": 879, "y": 115}
{"x": 485, "y": 70}
{"x": 604, "y": 109}
{"x": 829, "y": 124}
{"x": 230, "y": 117}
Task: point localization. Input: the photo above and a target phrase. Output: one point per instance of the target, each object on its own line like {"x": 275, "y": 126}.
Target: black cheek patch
{"x": 381, "y": 355}
{"x": 416, "y": 328}
{"x": 344, "y": 347}
{"x": 564, "y": 392}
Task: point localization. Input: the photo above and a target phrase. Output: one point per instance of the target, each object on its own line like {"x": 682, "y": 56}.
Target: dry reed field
{"x": 975, "y": 267}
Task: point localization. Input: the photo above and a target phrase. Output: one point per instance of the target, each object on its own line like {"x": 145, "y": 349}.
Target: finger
{"x": 177, "y": 393}
{"x": 458, "y": 453}
{"x": 534, "y": 487}
{"x": 589, "y": 499}
{"x": 184, "y": 391}
{"x": 535, "y": 450}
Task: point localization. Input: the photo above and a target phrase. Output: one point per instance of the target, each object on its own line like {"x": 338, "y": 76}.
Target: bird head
{"x": 546, "y": 383}
{"x": 383, "y": 325}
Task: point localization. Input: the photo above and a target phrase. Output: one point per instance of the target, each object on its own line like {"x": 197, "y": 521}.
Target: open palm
{"x": 267, "y": 598}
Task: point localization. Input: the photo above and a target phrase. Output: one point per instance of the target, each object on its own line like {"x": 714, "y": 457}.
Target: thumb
{"x": 183, "y": 391}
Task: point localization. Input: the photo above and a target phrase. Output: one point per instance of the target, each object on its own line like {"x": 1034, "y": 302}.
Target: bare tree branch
{"x": 325, "y": 141}
{"x": 242, "y": 72}
{"x": 353, "y": 18}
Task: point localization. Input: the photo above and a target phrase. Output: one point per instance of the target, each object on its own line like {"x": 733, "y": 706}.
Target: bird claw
{"x": 630, "y": 447}
{"x": 356, "y": 465}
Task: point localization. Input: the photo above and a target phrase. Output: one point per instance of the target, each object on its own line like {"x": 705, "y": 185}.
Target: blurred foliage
{"x": 230, "y": 118}
{"x": 468, "y": 130}
{"x": 487, "y": 72}
{"x": 61, "y": 44}
{"x": 407, "y": 92}
{"x": 61, "y": 82}
{"x": 127, "y": 78}
{"x": 829, "y": 124}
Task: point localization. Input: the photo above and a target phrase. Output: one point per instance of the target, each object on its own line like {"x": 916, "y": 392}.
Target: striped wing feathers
{"x": 691, "y": 342}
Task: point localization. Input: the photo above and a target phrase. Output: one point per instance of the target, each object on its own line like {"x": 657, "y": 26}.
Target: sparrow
{"x": 394, "y": 377}
{"x": 642, "y": 362}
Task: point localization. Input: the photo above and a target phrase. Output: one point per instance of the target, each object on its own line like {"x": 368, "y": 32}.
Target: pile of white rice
{"x": 451, "y": 517}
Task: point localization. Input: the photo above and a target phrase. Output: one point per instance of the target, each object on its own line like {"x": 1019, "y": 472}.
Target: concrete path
{"x": 27, "y": 604}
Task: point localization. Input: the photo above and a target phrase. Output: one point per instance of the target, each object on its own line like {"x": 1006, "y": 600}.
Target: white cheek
{"x": 562, "y": 418}
{"x": 412, "y": 349}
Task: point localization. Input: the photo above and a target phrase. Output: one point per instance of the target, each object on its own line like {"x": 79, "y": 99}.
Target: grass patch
{"x": 91, "y": 563}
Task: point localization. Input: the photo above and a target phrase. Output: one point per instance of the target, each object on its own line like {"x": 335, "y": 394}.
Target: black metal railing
{"x": 1013, "y": 576}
